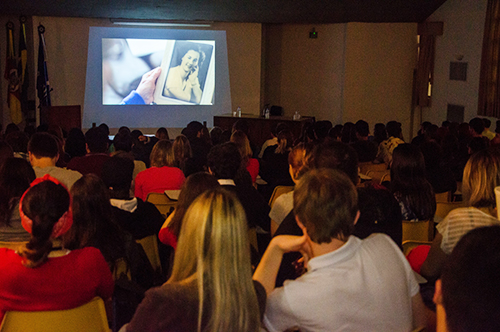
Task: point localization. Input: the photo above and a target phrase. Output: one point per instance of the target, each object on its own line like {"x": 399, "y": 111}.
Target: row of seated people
{"x": 229, "y": 152}
{"x": 212, "y": 268}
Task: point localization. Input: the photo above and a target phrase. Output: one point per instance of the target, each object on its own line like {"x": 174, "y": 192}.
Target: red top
{"x": 157, "y": 180}
{"x": 60, "y": 283}
{"x": 167, "y": 237}
{"x": 90, "y": 163}
{"x": 253, "y": 168}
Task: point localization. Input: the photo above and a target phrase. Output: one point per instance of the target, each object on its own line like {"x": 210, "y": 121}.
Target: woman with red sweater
{"x": 162, "y": 175}
{"x": 41, "y": 276}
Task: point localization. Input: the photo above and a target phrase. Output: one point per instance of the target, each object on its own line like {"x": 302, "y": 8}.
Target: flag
{"x": 42, "y": 80}
{"x": 11, "y": 74}
{"x": 22, "y": 69}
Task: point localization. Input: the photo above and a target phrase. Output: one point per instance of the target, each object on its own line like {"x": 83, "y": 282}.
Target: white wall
{"x": 462, "y": 35}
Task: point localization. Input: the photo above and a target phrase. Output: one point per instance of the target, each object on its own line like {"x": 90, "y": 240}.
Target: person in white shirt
{"x": 350, "y": 284}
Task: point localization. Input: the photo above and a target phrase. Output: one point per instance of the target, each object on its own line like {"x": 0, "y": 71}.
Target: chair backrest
{"x": 377, "y": 176}
{"x": 410, "y": 244}
{"x": 444, "y": 197}
{"x": 12, "y": 245}
{"x": 164, "y": 204}
{"x": 418, "y": 230}
{"x": 90, "y": 317}
{"x": 150, "y": 246}
{"x": 278, "y": 191}
{"x": 364, "y": 167}
{"x": 443, "y": 208}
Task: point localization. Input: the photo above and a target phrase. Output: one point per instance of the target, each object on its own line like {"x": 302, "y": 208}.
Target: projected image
{"x": 187, "y": 74}
{"x": 157, "y": 71}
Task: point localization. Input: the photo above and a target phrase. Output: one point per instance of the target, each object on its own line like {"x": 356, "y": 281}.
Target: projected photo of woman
{"x": 187, "y": 71}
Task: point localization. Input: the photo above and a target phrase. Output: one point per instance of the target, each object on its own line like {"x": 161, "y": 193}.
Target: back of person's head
{"x": 43, "y": 145}
{"x": 348, "y": 132}
{"x": 29, "y": 130}
{"x": 162, "y": 154}
{"x": 379, "y": 132}
{"x": 335, "y": 132}
{"x": 93, "y": 223}
{"x": 225, "y": 136}
{"x": 224, "y": 160}
{"x": 469, "y": 282}
{"x": 446, "y": 124}
{"x": 18, "y": 141}
{"x": 481, "y": 176}
{"x": 486, "y": 122}
{"x": 213, "y": 250}
{"x": 279, "y": 127}
{"x": 117, "y": 175}
{"x": 11, "y": 127}
{"x": 285, "y": 141}
{"x": 298, "y": 159}
{"x": 195, "y": 185}
{"x": 215, "y": 134}
{"x": 393, "y": 129}
{"x": 321, "y": 129}
{"x": 44, "y": 213}
{"x": 477, "y": 125}
{"x": 123, "y": 141}
{"x": 242, "y": 125}
{"x": 326, "y": 202}
{"x": 477, "y": 144}
{"x": 16, "y": 174}
{"x": 97, "y": 140}
{"x": 433, "y": 154}
{"x": 192, "y": 129}
{"x": 241, "y": 140}
{"x": 336, "y": 155}
{"x": 408, "y": 181}
{"x": 162, "y": 133}
{"x": 75, "y": 143}
{"x": 362, "y": 128}
{"x": 182, "y": 151}
{"x": 104, "y": 127}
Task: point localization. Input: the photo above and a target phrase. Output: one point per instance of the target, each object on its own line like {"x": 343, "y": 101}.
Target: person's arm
{"x": 419, "y": 311}
{"x": 433, "y": 264}
{"x": 267, "y": 270}
{"x": 147, "y": 86}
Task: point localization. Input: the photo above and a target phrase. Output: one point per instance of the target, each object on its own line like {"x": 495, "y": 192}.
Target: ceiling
{"x": 257, "y": 11}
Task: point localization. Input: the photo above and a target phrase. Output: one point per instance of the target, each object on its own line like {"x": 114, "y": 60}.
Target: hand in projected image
{"x": 148, "y": 85}
{"x": 193, "y": 77}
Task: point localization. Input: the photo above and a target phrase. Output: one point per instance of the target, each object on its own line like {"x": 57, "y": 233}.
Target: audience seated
{"x": 351, "y": 284}
{"x": 409, "y": 184}
{"x": 137, "y": 217}
{"x": 274, "y": 139}
{"x": 94, "y": 226}
{"x": 162, "y": 175}
{"x": 5, "y": 152}
{"x": 15, "y": 177}
{"x": 75, "y": 145}
{"x": 97, "y": 153}
{"x": 250, "y": 164}
{"x": 385, "y": 149}
{"x": 199, "y": 146}
{"x": 43, "y": 152}
{"x": 274, "y": 164}
{"x": 366, "y": 150}
{"x": 18, "y": 141}
{"x": 437, "y": 172}
{"x": 210, "y": 288}
{"x": 467, "y": 295}
{"x": 224, "y": 161}
{"x": 379, "y": 133}
{"x": 375, "y": 201}
{"x": 481, "y": 176}
{"x": 122, "y": 145}
{"x": 183, "y": 156}
{"x": 195, "y": 185}
{"x": 42, "y": 277}
{"x": 162, "y": 133}
{"x": 284, "y": 203}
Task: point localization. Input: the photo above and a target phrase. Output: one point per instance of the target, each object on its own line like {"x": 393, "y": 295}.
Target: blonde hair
{"x": 162, "y": 154}
{"x": 213, "y": 249}
{"x": 241, "y": 140}
{"x": 481, "y": 176}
